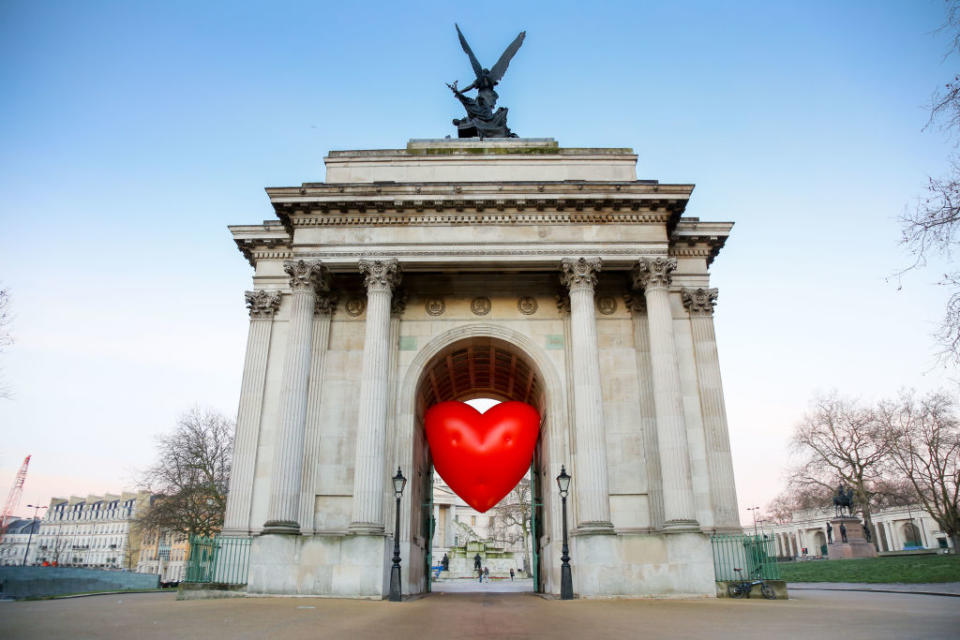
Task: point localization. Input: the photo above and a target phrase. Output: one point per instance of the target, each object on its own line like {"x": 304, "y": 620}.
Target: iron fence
{"x": 220, "y": 559}
{"x": 755, "y": 556}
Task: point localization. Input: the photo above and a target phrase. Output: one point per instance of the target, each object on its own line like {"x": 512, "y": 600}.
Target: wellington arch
{"x": 456, "y": 269}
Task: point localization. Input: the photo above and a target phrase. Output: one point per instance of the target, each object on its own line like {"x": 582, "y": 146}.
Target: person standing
{"x": 511, "y": 574}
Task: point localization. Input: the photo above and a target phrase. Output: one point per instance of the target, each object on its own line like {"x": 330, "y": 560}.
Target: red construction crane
{"x": 13, "y": 498}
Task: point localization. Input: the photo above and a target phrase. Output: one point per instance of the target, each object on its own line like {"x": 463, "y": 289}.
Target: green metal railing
{"x": 220, "y": 559}
{"x": 756, "y": 556}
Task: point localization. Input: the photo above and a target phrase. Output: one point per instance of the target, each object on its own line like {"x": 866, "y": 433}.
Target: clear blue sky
{"x": 132, "y": 133}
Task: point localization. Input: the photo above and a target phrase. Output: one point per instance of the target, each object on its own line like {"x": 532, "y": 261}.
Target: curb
{"x": 865, "y": 590}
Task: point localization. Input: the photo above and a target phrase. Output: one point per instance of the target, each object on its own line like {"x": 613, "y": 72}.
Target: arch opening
{"x": 506, "y": 536}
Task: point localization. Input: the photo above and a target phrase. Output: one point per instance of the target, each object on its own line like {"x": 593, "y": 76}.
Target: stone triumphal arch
{"x": 455, "y": 269}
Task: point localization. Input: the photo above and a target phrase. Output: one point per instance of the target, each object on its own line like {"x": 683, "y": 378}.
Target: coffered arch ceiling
{"x": 481, "y": 368}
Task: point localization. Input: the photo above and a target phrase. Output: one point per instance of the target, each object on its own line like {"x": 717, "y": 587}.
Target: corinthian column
{"x": 323, "y": 311}
{"x": 380, "y": 277}
{"x": 580, "y": 276}
{"x": 306, "y": 278}
{"x": 263, "y": 305}
{"x": 700, "y": 304}
{"x": 679, "y": 510}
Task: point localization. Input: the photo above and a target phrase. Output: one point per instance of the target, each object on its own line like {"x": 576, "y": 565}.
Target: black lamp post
{"x": 399, "y": 482}
{"x": 36, "y": 510}
{"x": 566, "y": 577}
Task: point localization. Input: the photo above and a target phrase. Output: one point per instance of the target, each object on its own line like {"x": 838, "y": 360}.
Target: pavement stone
{"x": 808, "y": 614}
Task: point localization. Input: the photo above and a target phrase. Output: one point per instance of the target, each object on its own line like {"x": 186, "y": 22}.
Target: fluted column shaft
{"x": 263, "y": 305}
{"x": 580, "y": 276}
{"x": 283, "y": 513}
{"x": 380, "y": 278}
{"x": 679, "y": 509}
{"x": 648, "y": 413}
{"x": 700, "y": 304}
{"x": 323, "y": 311}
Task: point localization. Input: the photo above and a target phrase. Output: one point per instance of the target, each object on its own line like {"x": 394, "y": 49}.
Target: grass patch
{"x": 909, "y": 569}
{"x": 56, "y": 596}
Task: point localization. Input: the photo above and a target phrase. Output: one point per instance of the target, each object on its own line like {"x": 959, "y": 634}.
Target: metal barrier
{"x": 220, "y": 559}
{"x": 755, "y": 556}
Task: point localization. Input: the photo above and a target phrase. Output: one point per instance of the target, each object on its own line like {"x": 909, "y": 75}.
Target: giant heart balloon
{"x": 482, "y": 456}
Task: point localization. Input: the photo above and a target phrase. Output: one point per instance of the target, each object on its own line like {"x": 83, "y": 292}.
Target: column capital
{"x": 262, "y": 303}
{"x": 398, "y": 303}
{"x": 636, "y": 303}
{"x": 326, "y": 303}
{"x": 699, "y": 301}
{"x": 307, "y": 275}
{"x": 580, "y": 273}
{"x": 653, "y": 273}
{"x": 380, "y": 274}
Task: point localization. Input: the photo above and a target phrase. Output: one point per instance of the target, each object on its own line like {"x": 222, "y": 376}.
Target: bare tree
{"x": 513, "y": 518}
{"x": 930, "y": 228}
{"x": 840, "y": 440}
{"x": 926, "y": 436}
{"x": 189, "y": 479}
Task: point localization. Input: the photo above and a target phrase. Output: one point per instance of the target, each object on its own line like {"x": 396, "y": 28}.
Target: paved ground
{"x": 810, "y": 614}
{"x": 471, "y": 585}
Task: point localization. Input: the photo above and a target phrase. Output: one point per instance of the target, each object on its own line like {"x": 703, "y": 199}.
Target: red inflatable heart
{"x": 482, "y": 456}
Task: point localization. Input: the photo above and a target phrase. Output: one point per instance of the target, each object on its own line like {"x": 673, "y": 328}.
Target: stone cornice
{"x": 694, "y": 239}
{"x": 480, "y": 203}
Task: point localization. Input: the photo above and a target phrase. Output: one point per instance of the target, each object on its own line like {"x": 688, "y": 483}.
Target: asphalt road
{"x": 809, "y": 614}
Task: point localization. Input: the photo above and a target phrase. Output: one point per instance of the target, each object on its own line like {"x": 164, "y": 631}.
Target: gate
{"x": 535, "y": 525}
{"x": 755, "y": 556}
{"x": 219, "y": 559}
{"x": 428, "y": 525}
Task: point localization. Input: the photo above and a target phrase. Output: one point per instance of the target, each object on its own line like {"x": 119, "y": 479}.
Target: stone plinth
{"x": 856, "y": 545}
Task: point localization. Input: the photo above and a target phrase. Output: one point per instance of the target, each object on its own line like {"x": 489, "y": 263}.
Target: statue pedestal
{"x": 856, "y": 545}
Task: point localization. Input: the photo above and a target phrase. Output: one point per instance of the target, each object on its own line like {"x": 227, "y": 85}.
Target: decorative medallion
{"x": 435, "y": 306}
{"x": 527, "y": 305}
{"x": 606, "y": 305}
{"x": 355, "y": 306}
{"x": 480, "y": 306}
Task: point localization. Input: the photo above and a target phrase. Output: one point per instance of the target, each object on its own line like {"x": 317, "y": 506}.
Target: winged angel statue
{"x": 482, "y": 121}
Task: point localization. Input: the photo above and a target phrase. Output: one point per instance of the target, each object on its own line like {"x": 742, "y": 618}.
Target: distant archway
{"x": 475, "y": 361}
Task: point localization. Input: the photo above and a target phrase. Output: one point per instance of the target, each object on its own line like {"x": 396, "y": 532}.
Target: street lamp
{"x": 754, "y": 510}
{"x": 566, "y": 577}
{"x": 399, "y": 482}
{"x": 36, "y": 509}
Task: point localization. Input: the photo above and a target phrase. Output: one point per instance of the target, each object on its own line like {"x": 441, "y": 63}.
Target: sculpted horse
{"x": 843, "y": 498}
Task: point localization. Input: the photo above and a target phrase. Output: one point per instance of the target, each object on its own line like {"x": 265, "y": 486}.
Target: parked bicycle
{"x": 741, "y": 588}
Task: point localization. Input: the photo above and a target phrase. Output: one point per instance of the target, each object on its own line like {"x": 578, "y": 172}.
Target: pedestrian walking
{"x": 486, "y": 573}
{"x": 511, "y": 574}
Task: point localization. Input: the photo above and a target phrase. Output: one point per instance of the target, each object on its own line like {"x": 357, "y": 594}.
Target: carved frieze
{"x": 355, "y": 306}
{"x": 261, "y": 303}
{"x": 607, "y": 305}
{"x": 527, "y": 305}
{"x": 480, "y": 306}
{"x": 699, "y": 301}
{"x": 435, "y": 306}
